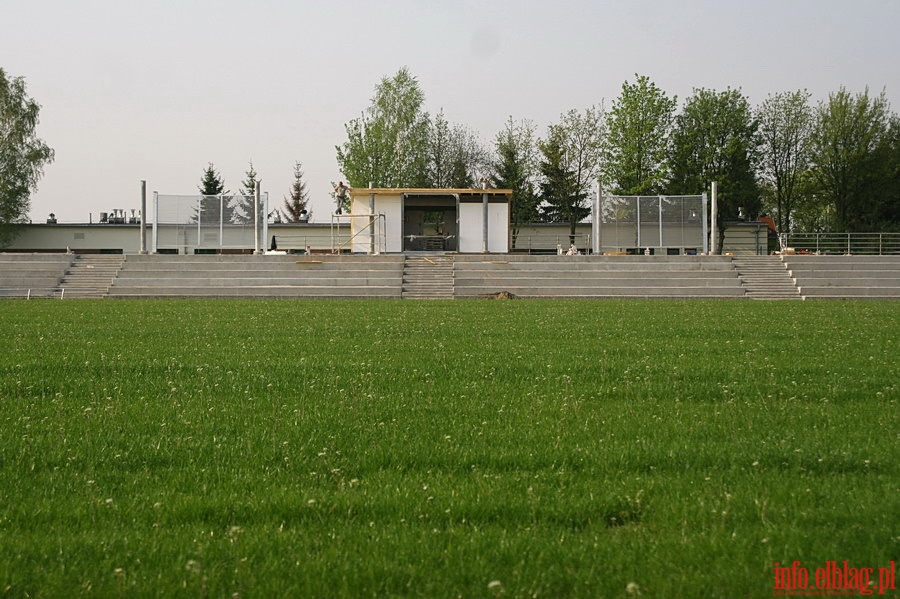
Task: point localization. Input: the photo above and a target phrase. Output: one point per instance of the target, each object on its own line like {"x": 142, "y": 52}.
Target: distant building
{"x": 450, "y": 220}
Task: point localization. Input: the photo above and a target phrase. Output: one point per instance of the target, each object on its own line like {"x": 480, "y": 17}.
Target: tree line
{"x": 238, "y": 208}
{"x": 831, "y": 166}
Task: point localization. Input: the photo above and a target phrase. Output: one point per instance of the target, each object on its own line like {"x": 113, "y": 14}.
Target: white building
{"x": 410, "y": 220}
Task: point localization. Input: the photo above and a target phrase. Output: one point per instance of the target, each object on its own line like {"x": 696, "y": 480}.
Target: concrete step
{"x": 428, "y": 277}
{"x": 391, "y": 291}
{"x": 765, "y": 277}
{"x": 90, "y": 276}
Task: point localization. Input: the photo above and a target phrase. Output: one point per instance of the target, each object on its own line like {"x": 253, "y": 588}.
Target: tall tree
{"x": 580, "y": 135}
{"x": 23, "y": 155}
{"x": 295, "y": 206}
{"x": 515, "y": 167}
{"x": 637, "y": 140}
{"x": 785, "y": 122}
{"x": 469, "y": 160}
{"x": 890, "y": 207}
{"x": 851, "y": 145}
{"x": 563, "y": 199}
{"x": 387, "y": 145}
{"x": 439, "y": 152}
{"x": 456, "y": 158}
{"x": 715, "y": 140}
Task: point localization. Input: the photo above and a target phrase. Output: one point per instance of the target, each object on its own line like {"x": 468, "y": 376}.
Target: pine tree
{"x": 295, "y": 210}
{"x": 243, "y": 205}
{"x": 563, "y": 199}
{"x": 515, "y": 167}
{"x": 212, "y": 183}
{"x": 213, "y": 210}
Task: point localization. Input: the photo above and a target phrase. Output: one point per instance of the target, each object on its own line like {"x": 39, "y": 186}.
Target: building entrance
{"x": 430, "y": 223}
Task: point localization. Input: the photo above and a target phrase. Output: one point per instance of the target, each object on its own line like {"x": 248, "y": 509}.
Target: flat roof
{"x": 364, "y": 191}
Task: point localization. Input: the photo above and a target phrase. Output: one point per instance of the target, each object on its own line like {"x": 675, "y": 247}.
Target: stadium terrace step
{"x": 277, "y": 276}
{"x": 845, "y": 277}
{"x": 32, "y": 275}
{"x": 597, "y": 276}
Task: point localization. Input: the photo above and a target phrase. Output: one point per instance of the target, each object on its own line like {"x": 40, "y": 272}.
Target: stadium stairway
{"x": 90, "y": 275}
{"x": 428, "y": 277}
{"x": 765, "y": 277}
{"x": 596, "y": 276}
{"x": 32, "y": 275}
{"x": 845, "y": 277}
{"x": 275, "y": 276}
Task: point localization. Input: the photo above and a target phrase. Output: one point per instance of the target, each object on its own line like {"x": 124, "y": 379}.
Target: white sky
{"x": 157, "y": 89}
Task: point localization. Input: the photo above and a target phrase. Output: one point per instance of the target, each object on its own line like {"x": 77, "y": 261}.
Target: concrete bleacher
{"x": 597, "y": 276}
{"x": 276, "y": 276}
{"x": 32, "y": 275}
{"x": 473, "y": 275}
{"x": 845, "y": 277}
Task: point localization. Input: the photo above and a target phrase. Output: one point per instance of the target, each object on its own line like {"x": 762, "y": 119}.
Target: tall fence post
{"x": 372, "y": 220}
{"x": 143, "y": 226}
{"x": 256, "y": 243}
{"x": 484, "y": 217}
{"x": 155, "y": 238}
{"x": 595, "y": 221}
{"x": 714, "y": 227}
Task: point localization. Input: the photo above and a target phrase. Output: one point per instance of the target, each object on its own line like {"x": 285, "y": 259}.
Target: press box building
{"x": 410, "y": 220}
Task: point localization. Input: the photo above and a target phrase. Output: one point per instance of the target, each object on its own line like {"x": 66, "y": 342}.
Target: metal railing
{"x": 28, "y": 293}
{"x": 550, "y": 243}
{"x": 298, "y": 242}
{"x": 879, "y": 244}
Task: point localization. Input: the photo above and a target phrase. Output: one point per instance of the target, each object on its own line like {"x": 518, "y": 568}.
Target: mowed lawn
{"x": 443, "y": 449}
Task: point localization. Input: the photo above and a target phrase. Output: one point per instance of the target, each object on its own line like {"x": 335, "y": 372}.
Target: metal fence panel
{"x": 197, "y": 223}
{"x": 657, "y": 223}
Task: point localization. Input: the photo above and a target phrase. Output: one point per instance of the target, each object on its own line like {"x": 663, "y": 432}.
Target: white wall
{"x": 498, "y": 228}
{"x": 392, "y": 208}
{"x": 388, "y": 231}
{"x": 41, "y": 237}
{"x": 471, "y": 232}
{"x": 80, "y": 237}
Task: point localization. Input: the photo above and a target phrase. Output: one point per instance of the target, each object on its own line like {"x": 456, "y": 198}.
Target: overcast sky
{"x": 155, "y": 90}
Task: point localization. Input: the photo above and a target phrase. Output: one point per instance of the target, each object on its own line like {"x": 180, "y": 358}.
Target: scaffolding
{"x": 367, "y": 234}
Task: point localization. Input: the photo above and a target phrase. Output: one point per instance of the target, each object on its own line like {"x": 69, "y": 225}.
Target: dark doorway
{"x": 430, "y": 223}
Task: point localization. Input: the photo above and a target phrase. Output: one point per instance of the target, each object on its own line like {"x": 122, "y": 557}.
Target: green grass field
{"x": 443, "y": 449}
